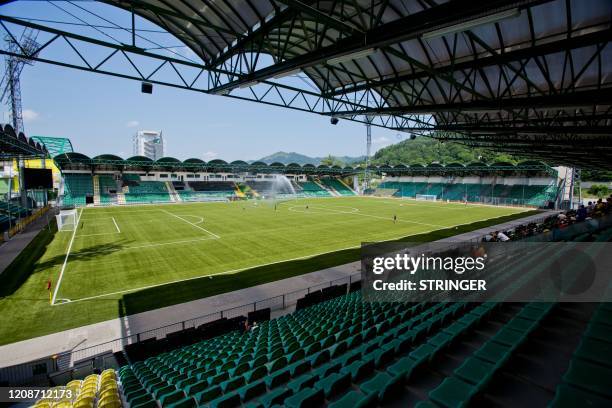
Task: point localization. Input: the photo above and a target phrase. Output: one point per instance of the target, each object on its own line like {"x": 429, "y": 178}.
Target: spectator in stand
{"x": 600, "y": 208}
{"x": 590, "y": 207}
{"x": 502, "y": 237}
{"x": 581, "y": 214}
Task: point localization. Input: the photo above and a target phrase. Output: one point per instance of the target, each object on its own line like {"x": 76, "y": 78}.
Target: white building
{"x": 149, "y": 143}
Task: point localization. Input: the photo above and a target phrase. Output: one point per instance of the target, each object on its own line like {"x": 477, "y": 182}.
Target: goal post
{"x": 426, "y": 197}
{"x": 66, "y": 220}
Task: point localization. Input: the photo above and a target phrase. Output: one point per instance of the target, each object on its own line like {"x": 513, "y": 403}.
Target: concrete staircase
{"x": 347, "y": 186}
{"x": 96, "y": 189}
{"x": 174, "y": 196}
{"x": 330, "y": 190}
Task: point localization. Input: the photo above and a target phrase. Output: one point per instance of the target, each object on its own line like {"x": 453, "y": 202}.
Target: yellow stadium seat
{"x": 109, "y": 401}
{"x": 62, "y": 404}
{"x": 108, "y": 392}
{"x": 109, "y": 373}
{"x": 84, "y": 403}
{"x": 109, "y": 404}
{"x": 92, "y": 378}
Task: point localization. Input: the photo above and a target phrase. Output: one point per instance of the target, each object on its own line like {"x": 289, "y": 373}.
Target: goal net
{"x": 426, "y": 197}
{"x": 66, "y": 220}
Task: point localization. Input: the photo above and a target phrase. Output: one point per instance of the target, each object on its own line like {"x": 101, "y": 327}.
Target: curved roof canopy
{"x": 71, "y": 160}
{"x": 13, "y": 145}
{"x": 525, "y": 76}
{"x": 516, "y": 75}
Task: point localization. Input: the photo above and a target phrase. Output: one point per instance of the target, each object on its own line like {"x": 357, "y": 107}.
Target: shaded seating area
{"x": 338, "y": 186}
{"x": 108, "y": 189}
{"x": 77, "y": 186}
{"x": 534, "y": 195}
{"x": 148, "y": 191}
{"x": 312, "y": 189}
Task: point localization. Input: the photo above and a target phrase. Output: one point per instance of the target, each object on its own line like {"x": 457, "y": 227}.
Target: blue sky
{"x": 100, "y": 114}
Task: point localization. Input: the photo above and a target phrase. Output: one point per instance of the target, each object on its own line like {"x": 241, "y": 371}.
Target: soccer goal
{"x": 66, "y": 220}
{"x": 426, "y": 197}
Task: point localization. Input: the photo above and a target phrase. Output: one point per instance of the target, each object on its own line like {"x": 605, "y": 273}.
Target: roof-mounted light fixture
{"x": 352, "y": 56}
{"x": 468, "y": 25}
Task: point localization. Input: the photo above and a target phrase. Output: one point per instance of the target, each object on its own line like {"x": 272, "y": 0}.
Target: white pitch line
{"x": 366, "y": 215}
{"x": 169, "y": 243}
{"x": 101, "y": 233}
{"x": 116, "y": 226}
{"x": 59, "y": 280}
{"x": 191, "y": 223}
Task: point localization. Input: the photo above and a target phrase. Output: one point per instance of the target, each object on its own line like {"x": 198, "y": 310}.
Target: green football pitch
{"x": 124, "y": 260}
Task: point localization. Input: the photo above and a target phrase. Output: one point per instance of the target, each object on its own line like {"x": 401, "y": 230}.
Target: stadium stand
{"x": 337, "y": 186}
{"x": 346, "y": 352}
{"x": 206, "y": 190}
{"x": 77, "y": 187}
{"x": 10, "y": 213}
{"x": 130, "y": 179}
{"x": 534, "y": 195}
{"x": 212, "y": 186}
{"x": 312, "y": 189}
{"x": 147, "y": 191}
{"x": 338, "y": 350}
{"x": 107, "y": 184}
{"x": 265, "y": 187}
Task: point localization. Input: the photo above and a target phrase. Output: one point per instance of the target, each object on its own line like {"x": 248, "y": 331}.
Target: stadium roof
{"x": 18, "y": 145}
{"x": 79, "y": 161}
{"x": 532, "y": 77}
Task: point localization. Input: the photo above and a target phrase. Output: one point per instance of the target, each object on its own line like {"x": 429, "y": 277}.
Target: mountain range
{"x": 301, "y": 159}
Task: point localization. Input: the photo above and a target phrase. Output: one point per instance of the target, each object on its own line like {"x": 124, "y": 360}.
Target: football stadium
{"x": 453, "y": 251}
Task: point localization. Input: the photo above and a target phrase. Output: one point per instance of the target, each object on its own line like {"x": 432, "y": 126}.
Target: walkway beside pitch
{"x": 98, "y": 333}
{"x": 13, "y": 247}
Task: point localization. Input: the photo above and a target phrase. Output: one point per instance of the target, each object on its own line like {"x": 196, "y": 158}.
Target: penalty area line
{"x": 192, "y": 224}
{"x": 116, "y": 226}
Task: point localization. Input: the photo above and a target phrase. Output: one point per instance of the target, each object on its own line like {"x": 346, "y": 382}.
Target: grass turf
{"x": 125, "y": 260}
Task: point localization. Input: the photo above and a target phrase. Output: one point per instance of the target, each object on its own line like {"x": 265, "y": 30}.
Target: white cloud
{"x": 29, "y": 115}
{"x": 132, "y": 123}
{"x": 210, "y": 156}
{"x": 382, "y": 140}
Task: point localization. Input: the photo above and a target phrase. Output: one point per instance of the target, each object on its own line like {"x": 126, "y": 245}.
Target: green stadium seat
{"x": 309, "y": 397}
{"x": 404, "y": 367}
{"x": 599, "y": 332}
{"x": 354, "y": 399}
{"x": 277, "y": 378}
{"x": 171, "y": 397}
{"x": 570, "y": 397}
{"x": 590, "y": 377}
{"x": 359, "y": 369}
{"x": 301, "y": 382}
{"x": 252, "y": 390}
{"x": 493, "y": 352}
{"x": 596, "y": 351}
{"x": 452, "y": 393}
{"x": 184, "y": 403}
{"x": 334, "y": 384}
{"x": 208, "y": 394}
{"x": 230, "y": 400}
{"x": 476, "y": 371}
{"x": 275, "y": 397}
